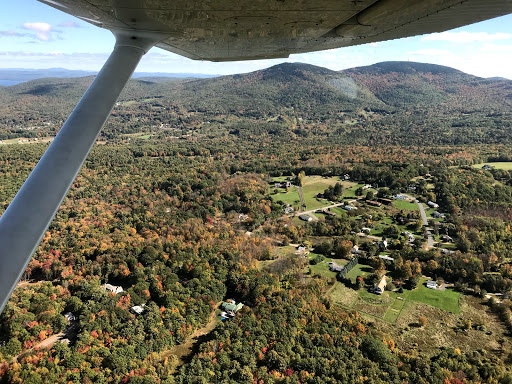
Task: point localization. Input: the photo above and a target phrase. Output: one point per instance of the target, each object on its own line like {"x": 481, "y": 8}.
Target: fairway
{"x": 506, "y": 165}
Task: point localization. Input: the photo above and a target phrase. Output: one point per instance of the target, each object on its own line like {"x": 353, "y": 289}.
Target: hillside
{"x": 385, "y": 103}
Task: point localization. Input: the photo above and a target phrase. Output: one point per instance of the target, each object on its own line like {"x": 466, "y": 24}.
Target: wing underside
{"x": 253, "y": 29}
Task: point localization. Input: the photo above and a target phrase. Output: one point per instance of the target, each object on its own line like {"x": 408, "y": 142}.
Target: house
{"x": 231, "y": 307}
{"x": 431, "y": 204}
{"x": 335, "y": 267}
{"x": 366, "y": 230}
{"x": 385, "y": 257}
{"x": 288, "y": 210}
{"x": 378, "y": 289}
{"x": 367, "y": 186}
{"x": 446, "y": 238}
{"x": 277, "y": 185}
{"x": 400, "y": 197}
{"x": 113, "y": 288}
{"x": 345, "y": 177}
{"x": 355, "y": 250}
{"x": 438, "y": 215}
{"x": 242, "y": 217}
{"x": 305, "y": 217}
{"x": 349, "y": 208}
{"x": 382, "y": 244}
{"x": 300, "y": 250}
{"x": 487, "y": 167}
{"x": 70, "y": 316}
{"x": 373, "y": 203}
{"x": 431, "y": 284}
{"x": 409, "y": 236}
{"x": 138, "y": 309}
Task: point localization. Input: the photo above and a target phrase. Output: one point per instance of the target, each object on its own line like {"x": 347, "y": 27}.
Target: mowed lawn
{"x": 359, "y": 270}
{"x": 506, "y": 165}
{"x": 447, "y": 300}
{"x": 291, "y": 197}
{"x": 405, "y": 205}
{"x": 313, "y": 185}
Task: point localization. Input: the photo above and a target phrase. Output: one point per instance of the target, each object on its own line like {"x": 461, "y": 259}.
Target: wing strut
{"x": 25, "y": 221}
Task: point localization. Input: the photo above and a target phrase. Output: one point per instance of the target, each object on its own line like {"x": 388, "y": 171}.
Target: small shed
{"x": 305, "y": 217}
{"x": 431, "y": 284}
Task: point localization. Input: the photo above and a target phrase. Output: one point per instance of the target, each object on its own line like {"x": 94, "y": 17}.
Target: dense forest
{"x": 176, "y": 205}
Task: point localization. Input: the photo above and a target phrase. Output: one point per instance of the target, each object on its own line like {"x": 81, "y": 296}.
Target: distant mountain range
{"x": 13, "y": 76}
{"x": 386, "y": 103}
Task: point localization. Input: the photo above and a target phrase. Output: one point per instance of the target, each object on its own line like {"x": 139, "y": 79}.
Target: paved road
{"x": 430, "y": 239}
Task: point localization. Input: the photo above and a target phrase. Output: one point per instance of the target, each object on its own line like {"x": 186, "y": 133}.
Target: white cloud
{"x": 43, "y": 30}
{"x": 430, "y": 52}
{"x": 12, "y": 34}
{"x": 466, "y": 37}
{"x": 69, "y": 24}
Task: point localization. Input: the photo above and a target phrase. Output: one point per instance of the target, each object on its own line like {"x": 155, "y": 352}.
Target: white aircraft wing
{"x": 224, "y": 30}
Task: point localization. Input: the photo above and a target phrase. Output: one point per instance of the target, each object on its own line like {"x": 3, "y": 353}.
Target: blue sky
{"x": 33, "y": 35}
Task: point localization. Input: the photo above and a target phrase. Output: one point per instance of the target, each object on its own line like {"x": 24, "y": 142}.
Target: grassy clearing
{"x": 291, "y": 197}
{"x": 359, "y": 270}
{"x": 342, "y": 295}
{"x": 322, "y": 269}
{"x": 506, "y": 165}
{"x": 312, "y": 186}
{"x": 405, "y": 205}
{"x": 351, "y": 191}
{"x": 447, "y": 300}
{"x": 374, "y": 310}
{"x": 339, "y": 211}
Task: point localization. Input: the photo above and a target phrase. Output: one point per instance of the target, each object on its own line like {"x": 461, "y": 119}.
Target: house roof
{"x": 231, "y": 306}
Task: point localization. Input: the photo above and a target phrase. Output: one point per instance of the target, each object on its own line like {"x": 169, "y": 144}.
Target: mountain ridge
{"x": 391, "y": 102}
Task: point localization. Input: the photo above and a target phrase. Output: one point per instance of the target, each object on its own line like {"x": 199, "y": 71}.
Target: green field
{"x": 291, "y": 197}
{"x": 404, "y": 204}
{"x": 447, "y": 300}
{"x": 358, "y": 270}
{"x": 351, "y": 192}
{"x": 389, "y": 305}
{"x": 506, "y": 165}
{"x": 313, "y": 185}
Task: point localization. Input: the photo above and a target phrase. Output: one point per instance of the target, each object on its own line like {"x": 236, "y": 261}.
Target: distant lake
{"x": 9, "y": 82}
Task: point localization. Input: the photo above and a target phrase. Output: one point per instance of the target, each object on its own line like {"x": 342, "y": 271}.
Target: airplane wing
{"x": 225, "y": 30}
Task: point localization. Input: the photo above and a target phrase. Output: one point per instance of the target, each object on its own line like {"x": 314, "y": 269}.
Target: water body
{"x": 9, "y": 82}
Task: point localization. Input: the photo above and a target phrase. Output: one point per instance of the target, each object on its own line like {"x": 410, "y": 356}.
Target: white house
{"x": 431, "y": 204}
{"x": 138, "y": 309}
{"x": 113, "y": 288}
{"x": 431, "y": 284}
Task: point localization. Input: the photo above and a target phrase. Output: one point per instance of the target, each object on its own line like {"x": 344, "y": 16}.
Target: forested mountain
{"x": 386, "y": 103}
